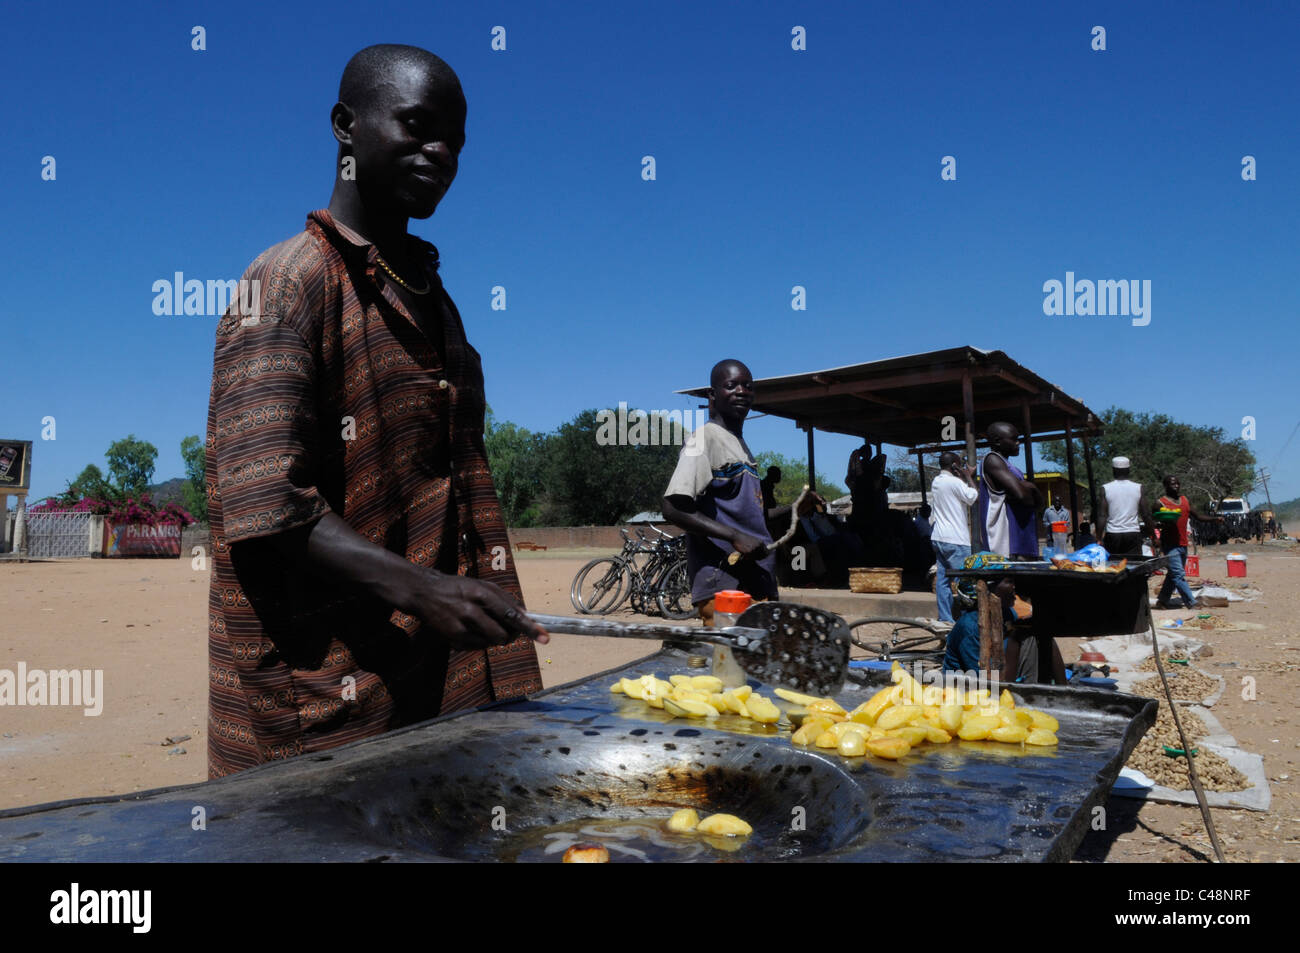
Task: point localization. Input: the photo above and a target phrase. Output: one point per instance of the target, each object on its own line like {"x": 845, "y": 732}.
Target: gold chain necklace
{"x": 396, "y": 277}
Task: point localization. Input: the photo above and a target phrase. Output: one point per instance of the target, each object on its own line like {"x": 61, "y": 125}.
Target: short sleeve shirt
{"x": 329, "y": 398}
{"x": 1170, "y": 540}
{"x": 716, "y": 469}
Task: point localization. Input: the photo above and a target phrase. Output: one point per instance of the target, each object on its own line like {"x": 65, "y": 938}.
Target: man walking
{"x": 1173, "y": 543}
{"x": 1122, "y": 509}
{"x": 953, "y": 493}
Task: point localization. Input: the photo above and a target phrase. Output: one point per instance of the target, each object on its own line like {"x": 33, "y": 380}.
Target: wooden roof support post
{"x": 1092, "y": 484}
{"x": 989, "y": 607}
{"x": 968, "y": 413}
{"x": 1029, "y": 444}
{"x": 920, "y": 469}
{"x": 1069, "y": 465}
{"x": 812, "y": 462}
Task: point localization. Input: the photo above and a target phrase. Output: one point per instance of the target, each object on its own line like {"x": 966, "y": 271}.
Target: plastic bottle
{"x": 728, "y": 606}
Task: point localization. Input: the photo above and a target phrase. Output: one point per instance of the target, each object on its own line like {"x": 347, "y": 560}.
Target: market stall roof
{"x": 903, "y": 400}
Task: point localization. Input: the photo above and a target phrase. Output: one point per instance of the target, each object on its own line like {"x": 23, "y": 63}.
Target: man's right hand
{"x": 471, "y": 613}
{"x": 748, "y": 545}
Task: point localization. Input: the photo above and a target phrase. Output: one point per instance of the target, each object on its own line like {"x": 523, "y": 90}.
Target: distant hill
{"x": 167, "y": 492}
{"x": 1288, "y": 514}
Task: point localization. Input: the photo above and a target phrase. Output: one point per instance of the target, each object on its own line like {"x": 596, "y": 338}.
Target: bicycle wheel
{"x": 640, "y": 598}
{"x": 598, "y": 588}
{"x": 675, "y": 593}
{"x": 902, "y": 640}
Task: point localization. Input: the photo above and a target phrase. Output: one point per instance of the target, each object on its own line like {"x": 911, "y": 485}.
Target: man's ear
{"x": 342, "y": 119}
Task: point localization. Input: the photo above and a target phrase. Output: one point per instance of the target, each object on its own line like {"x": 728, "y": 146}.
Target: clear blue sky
{"x": 775, "y": 168}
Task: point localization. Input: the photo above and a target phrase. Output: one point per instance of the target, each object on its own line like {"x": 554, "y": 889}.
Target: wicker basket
{"x": 888, "y": 580}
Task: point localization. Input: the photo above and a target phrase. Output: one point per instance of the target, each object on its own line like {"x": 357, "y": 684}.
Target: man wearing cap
{"x": 1122, "y": 513}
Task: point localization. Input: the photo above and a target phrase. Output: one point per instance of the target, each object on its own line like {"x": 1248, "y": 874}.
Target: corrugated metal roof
{"x": 904, "y": 400}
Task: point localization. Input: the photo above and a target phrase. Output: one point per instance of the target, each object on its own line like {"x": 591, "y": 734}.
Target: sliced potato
{"x": 1042, "y": 737}
{"x": 950, "y": 717}
{"x": 763, "y": 710}
{"x": 632, "y": 688}
{"x": 914, "y": 734}
{"x": 690, "y": 708}
{"x": 828, "y": 706}
{"x": 686, "y": 819}
{"x": 853, "y": 744}
{"x": 680, "y": 680}
{"x": 978, "y": 727}
{"x": 870, "y": 710}
{"x": 898, "y": 716}
{"x": 1014, "y": 718}
{"x": 724, "y": 825}
{"x": 743, "y": 691}
{"x": 826, "y": 740}
{"x": 841, "y": 728}
{"x": 810, "y": 730}
{"x": 795, "y": 698}
{"x": 706, "y": 683}
{"x": 1005, "y": 699}
{"x": 1043, "y": 720}
{"x": 887, "y": 747}
{"x": 937, "y": 736}
{"x": 1011, "y": 734}
{"x": 617, "y": 687}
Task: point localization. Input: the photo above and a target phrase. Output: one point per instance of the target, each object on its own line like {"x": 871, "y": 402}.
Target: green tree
{"x": 515, "y": 455}
{"x": 131, "y": 463}
{"x": 195, "y": 487}
{"x": 90, "y": 482}
{"x": 1208, "y": 465}
{"x": 590, "y": 481}
{"x": 794, "y": 474}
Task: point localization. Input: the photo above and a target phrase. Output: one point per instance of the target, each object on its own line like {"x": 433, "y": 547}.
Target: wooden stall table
{"x": 1066, "y": 603}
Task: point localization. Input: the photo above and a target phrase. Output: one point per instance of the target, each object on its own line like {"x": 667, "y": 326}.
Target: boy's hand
{"x": 748, "y": 545}
{"x": 810, "y": 502}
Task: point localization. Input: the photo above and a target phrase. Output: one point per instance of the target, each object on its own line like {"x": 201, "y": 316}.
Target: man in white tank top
{"x": 1122, "y": 509}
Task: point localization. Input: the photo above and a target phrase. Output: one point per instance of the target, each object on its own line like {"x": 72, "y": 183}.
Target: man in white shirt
{"x": 1122, "y": 509}
{"x": 952, "y": 494}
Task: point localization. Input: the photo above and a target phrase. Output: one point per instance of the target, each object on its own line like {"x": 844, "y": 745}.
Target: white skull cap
{"x": 1119, "y": 463}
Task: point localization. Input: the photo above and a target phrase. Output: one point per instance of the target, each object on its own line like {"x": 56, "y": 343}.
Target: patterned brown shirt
{"x": 329, "y": 397}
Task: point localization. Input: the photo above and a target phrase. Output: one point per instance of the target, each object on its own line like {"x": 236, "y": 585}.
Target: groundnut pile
{"x": 1149, "y": 664}
{"x": 1185, "y": 683}
{"x": 1149, "y": 756}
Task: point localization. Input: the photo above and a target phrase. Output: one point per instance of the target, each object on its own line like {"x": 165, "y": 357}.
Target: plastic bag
{"x": 1094, "y": 555}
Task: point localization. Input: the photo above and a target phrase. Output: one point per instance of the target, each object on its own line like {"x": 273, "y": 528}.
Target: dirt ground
{"x": 144, "y": 623}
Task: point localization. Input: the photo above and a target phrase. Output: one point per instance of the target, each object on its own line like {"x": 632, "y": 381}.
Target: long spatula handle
{"x": 730, "y": 636}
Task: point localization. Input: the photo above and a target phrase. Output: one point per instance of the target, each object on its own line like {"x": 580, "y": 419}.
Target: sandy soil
{"x": 144, "y": 623}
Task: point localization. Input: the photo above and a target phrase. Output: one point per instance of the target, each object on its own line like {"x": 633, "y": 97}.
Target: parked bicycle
{"x": 891, "y": 639}
{"x": 648, "y": 574}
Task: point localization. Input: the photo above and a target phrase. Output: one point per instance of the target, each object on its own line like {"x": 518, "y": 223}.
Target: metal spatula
{"x": 777, "y": 643}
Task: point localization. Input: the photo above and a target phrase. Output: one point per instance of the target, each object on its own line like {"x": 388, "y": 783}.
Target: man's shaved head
{"x": 1002, "y": 429}
{"x": 948, "y": 459}
{"x": 368, "y": 74}
{"x": 720, "y": 370}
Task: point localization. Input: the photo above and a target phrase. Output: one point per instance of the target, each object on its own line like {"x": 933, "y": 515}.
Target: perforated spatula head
{"x": 805, "y": 649}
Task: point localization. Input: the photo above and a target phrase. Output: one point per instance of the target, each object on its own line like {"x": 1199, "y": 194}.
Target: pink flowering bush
{"x": 141, "y": 510}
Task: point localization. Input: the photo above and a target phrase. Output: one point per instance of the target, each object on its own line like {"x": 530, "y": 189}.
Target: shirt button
{"x": 443, "y": 385}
